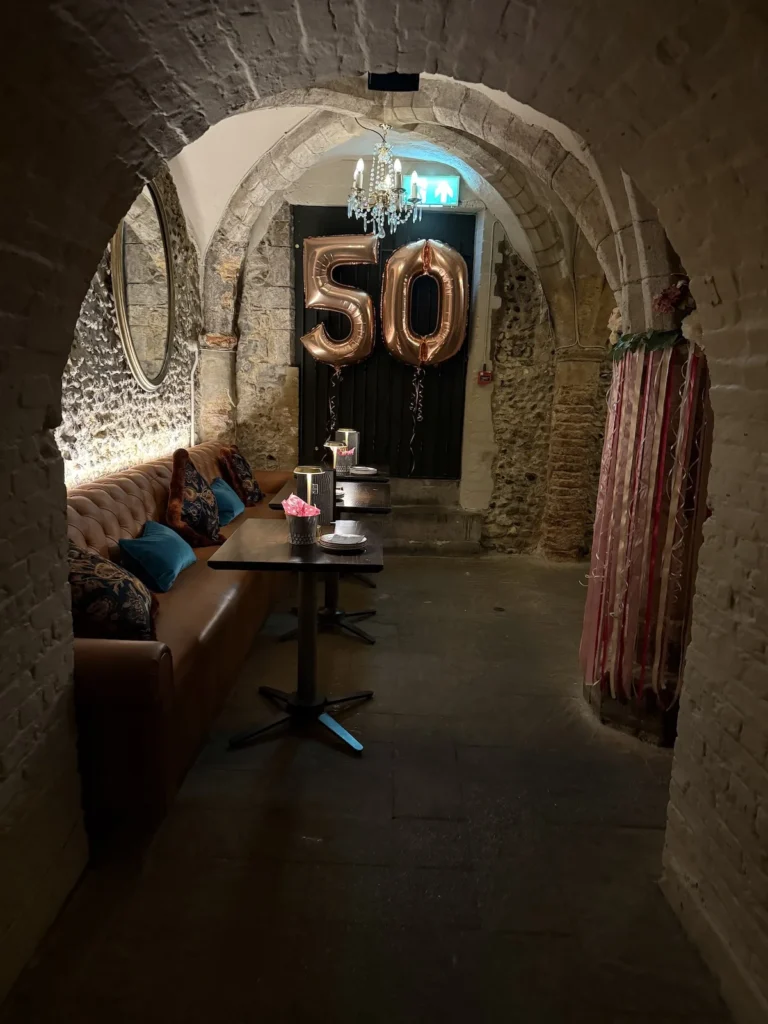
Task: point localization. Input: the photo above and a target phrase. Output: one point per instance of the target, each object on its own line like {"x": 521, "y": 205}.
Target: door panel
{"x": 375, "y": 396}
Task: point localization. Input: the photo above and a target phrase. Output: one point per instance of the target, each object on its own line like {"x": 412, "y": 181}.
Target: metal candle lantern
{"x": 315, "y": 485}
{"x": 345, "y": 462}
{"x": 334, "y": 448}
{"x": 351, "y": 439}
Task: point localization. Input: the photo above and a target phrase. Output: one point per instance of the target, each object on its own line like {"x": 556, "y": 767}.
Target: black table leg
{"x": 331, "y": 617}
{"x": 305, "y": 704}
{"x": 358, "y": 577}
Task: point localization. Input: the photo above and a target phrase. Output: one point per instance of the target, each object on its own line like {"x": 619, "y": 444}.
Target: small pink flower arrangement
{"x": 296, "y": 506}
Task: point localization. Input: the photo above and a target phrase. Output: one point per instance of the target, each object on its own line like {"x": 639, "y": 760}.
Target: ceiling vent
{"x": 393, "y": 82}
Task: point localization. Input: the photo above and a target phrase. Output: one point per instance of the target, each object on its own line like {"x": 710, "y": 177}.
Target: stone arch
{"x": 507, "y": 189}
{"x": 262, "y": 190}
{"x": 603, "y": 205}
{"x": 452, "y": 105}
{"x": 674, "y": 96}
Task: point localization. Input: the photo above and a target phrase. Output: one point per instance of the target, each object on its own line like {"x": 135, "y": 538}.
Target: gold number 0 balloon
{"x": 448, "y": 268}
{"x": 321, "y": 255}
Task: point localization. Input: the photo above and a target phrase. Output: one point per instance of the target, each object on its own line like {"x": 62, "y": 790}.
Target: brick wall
{"x": 548, "y": 410}
{"x": 581, "y": 307}
{"x": 267, "y": 382}
{"x": 42, "y": 844}
{"x": 524, "y": 379}
{"x": 108, "y": 421}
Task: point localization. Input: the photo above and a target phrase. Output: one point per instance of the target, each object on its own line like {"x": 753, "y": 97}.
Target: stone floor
{"x": 492, "y": 857}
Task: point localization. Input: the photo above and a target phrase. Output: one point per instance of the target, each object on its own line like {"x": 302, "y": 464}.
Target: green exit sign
{"x": 434, "y": 190}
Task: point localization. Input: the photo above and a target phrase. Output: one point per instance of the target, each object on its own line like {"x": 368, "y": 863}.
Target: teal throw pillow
{"x": 157, "y": 556}
{"x": 228, "y": 501}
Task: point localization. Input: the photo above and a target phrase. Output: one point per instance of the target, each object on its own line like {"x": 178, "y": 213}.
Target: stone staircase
{"x": 426, "y": 519}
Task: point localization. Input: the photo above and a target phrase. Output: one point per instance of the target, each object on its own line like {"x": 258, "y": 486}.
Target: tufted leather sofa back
{"x": 114, "y": 508}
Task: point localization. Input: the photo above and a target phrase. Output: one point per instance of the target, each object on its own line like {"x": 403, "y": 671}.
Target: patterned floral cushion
{"x": 237, "y": 472}
{"x": 192, "y": 509}
{"x": 107, "y": 600}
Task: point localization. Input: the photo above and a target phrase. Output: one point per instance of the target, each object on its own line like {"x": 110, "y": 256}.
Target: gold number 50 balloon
{"x": 321, "y": 255}
{"x": 448, "y": 268}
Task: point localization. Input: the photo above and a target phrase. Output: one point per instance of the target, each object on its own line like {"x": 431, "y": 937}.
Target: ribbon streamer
{"x": 651, "y": 504}
{"x": 416, "y": 408}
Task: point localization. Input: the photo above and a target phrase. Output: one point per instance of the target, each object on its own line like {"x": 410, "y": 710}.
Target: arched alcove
{"x": 671, "y": 97}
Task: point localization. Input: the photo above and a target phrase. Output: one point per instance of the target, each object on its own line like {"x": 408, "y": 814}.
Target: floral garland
{"x": 652, "y": 340}
{"x": 675, "y": 299}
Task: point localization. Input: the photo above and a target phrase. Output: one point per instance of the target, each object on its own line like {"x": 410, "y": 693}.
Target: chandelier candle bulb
{"x": 383, "y": 204}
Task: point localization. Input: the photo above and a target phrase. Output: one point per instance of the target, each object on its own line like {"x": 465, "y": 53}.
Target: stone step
{"x": 434, "y": 529}
{"x": 424, "y": 492}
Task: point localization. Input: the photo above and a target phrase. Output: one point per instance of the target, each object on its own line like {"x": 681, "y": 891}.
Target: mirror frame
{"x": 118, "y": 292}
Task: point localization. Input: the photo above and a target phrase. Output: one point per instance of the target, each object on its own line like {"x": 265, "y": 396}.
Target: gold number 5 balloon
{"x": 321, "y": 255}
{"x": 448, "y": 268}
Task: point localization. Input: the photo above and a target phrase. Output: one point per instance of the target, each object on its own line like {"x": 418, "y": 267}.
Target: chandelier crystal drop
{"x": 384, "y": 204}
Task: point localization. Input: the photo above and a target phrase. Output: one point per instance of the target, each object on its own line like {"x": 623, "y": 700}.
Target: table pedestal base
{"x": 330, "y": 617}
{"x": 301, "y": 711}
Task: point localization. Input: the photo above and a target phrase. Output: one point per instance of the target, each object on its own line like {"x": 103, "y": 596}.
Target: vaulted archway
{"x": 263, "y": 189}
{"x": 672, "y": 97}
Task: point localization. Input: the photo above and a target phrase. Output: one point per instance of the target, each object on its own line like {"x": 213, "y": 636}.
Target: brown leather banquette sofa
{"x": 144, "y": 707}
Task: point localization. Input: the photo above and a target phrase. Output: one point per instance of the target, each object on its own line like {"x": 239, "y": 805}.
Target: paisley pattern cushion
{"x": 107, "y": 600}
{"x": 237, "y": 472}
{"x": 192, "y": 509}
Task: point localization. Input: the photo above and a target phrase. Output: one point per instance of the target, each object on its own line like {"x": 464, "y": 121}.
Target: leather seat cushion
{"x": 202, "y": 601}
{"x": 203, "y": 607}
{"x": 260, "y": 511}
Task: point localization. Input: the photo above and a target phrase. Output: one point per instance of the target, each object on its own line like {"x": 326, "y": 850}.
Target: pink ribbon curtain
{"x": 651, "y": 504}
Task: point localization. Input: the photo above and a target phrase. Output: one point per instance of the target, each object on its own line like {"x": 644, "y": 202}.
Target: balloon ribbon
{"x": 332, "y": 397}
{"x": 417, "y": 408}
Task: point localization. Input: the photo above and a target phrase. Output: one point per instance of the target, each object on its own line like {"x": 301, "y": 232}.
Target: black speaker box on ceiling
{"x": 393, "y": 81}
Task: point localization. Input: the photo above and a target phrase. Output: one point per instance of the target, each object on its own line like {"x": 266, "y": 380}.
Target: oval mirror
{"x": 142, "y": 281}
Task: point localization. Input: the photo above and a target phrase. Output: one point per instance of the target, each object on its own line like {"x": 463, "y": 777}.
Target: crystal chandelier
{"x": 384, "y": 204}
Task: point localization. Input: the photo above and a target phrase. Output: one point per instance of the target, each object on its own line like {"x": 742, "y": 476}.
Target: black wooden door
{"x": 374, "y": 396}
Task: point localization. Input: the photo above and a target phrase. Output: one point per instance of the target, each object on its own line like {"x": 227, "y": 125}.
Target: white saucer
{"x": 342, "y": 541}
{"x": 363, "y": 471}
